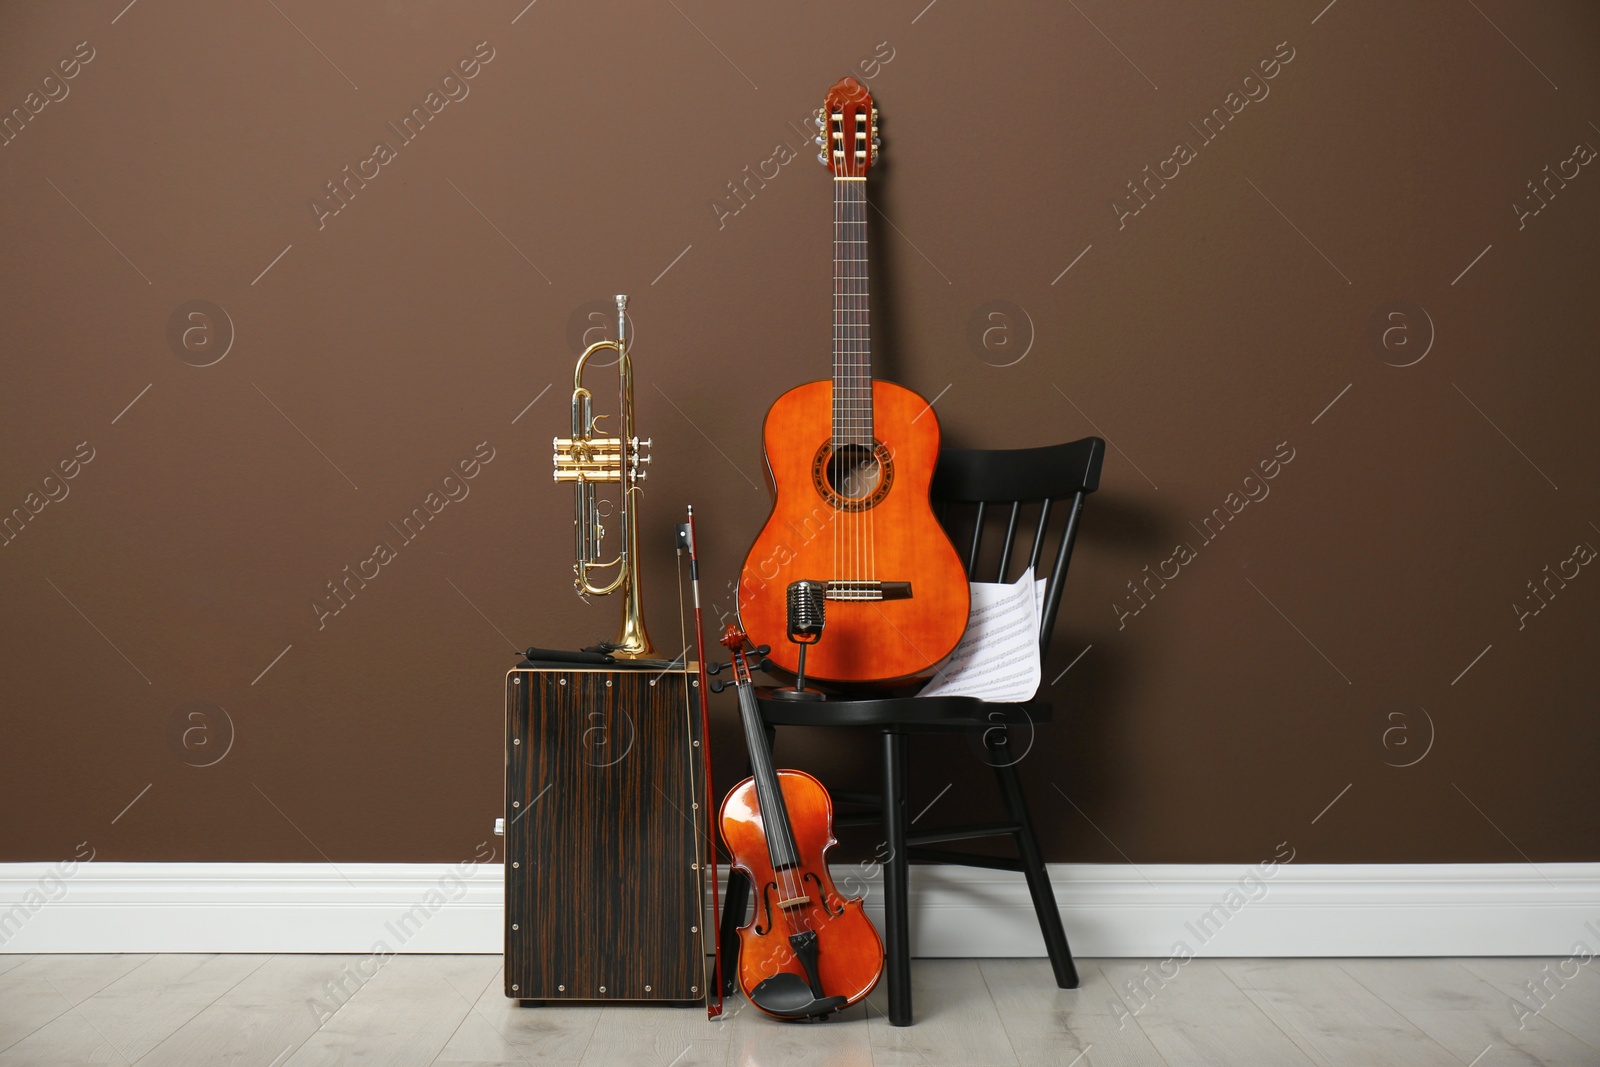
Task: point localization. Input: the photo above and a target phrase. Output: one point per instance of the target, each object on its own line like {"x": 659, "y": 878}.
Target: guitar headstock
{"x": 849, "y": 125}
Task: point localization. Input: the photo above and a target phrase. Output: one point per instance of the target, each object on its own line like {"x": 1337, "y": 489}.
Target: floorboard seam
{"x": 1285, "y": 1026}
{"x": 1381, "y": 1000}
{"x": 202, "y": 1009}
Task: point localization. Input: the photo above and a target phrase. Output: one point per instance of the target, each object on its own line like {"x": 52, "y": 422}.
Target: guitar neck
{"x": 852, "y": 343}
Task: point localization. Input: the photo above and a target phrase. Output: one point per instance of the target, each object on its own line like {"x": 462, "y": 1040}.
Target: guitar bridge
{"x": 859, "y": 589}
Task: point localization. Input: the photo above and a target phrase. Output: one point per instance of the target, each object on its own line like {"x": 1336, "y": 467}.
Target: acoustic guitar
{"x": 850, "y": 460}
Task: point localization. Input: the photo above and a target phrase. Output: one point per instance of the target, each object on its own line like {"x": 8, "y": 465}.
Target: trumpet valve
{"x": 593, "y": 459}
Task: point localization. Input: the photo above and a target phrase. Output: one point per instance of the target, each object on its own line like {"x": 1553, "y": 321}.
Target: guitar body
{"x": 829, "y": 524}
{"x": 850, "y": 953}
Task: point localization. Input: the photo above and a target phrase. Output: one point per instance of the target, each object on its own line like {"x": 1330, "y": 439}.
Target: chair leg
{"x": 897, "y": 933}
{"x": 1044, "y": 898}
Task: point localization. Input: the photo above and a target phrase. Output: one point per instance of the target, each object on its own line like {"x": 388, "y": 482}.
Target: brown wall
{"x": 1324, "y": 626}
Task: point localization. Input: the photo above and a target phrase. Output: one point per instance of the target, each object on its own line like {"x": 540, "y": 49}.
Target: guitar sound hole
{"x": 854, "y": 478}
{"x": 854, "y": 472}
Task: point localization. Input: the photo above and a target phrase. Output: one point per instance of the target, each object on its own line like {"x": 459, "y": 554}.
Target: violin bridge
{"x": 794, "y": 902}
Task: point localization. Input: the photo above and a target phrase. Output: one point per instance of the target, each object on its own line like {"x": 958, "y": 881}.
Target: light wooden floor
{"x": 193, "y": 1010}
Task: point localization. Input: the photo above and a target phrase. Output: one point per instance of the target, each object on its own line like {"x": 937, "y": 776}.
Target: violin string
{"x": 792, "y": 881}
{"x": 771, "y": 808}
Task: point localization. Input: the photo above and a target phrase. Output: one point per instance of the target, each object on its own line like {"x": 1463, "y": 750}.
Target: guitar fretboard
{"x": 852, "y": 347}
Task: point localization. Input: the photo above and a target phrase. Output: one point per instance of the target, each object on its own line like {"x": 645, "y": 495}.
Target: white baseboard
{"x": 1108, "y": 910}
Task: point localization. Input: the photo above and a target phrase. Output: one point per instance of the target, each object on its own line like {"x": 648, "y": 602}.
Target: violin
{"x": 807, "y": 951}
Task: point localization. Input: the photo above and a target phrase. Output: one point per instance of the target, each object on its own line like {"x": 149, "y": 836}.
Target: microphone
{"x": 807, "y": 613}
{"x": 806, "y": 600}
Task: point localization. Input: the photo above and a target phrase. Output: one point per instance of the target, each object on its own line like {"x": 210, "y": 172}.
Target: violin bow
{"x": 686, "y": 541}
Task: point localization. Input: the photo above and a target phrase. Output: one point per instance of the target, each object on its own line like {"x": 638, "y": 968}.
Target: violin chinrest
{"x": 788, "y": 996}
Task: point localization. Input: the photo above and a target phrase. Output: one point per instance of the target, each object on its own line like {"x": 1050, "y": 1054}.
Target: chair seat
{"x": 919, "y": 713}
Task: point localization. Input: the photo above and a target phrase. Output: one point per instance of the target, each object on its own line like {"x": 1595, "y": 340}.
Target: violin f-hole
{"x": 766, "y": 906}
{"x": 822, "y": 895}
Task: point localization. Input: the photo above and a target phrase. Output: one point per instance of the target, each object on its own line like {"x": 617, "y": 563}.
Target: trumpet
{"x": 588, "y": 460}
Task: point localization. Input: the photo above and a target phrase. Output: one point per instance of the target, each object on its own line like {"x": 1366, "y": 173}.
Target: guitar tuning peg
{"x": 817, "y": 118}
{"x": 822, "y": 158}
{"x": 819, "y": 140}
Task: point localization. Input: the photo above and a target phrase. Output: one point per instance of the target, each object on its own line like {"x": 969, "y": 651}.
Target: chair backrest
{"x": 982, "y": 485}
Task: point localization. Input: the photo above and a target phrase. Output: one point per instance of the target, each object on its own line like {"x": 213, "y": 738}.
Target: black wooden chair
{"x": 979, "y": 487}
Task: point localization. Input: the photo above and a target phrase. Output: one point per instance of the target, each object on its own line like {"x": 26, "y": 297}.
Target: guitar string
{"x": 863, "y": 396}
{"x": 856, "y": 340}
{"x": 853, "y": 357}
{"x": 866, "y": 357}
{"x": 847, "y": 327}
{"x": 854, "y": 273}
{"x": 839, "y": 383}
{"x": 852, "y": 433}
{"x": 842, "y": 370}
{"x": 852, "y": 369}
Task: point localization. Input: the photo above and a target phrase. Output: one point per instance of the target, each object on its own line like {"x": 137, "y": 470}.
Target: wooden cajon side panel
{"x": 603, "y": 837}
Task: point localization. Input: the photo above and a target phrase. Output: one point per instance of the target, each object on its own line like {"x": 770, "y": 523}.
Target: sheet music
{"x": 998, "y": 657}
